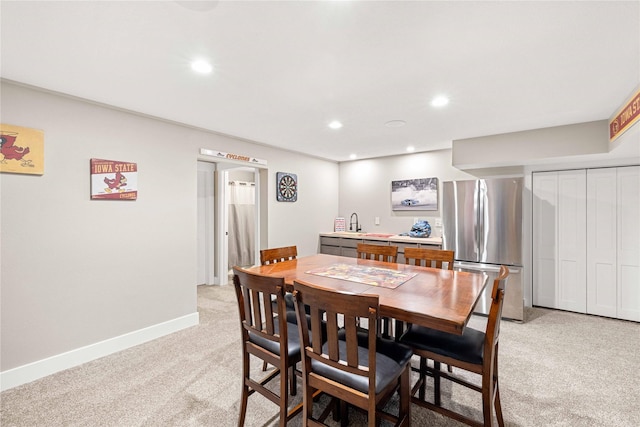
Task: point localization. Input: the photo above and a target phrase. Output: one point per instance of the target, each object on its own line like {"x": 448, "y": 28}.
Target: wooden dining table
{"x": 431, "y": 297}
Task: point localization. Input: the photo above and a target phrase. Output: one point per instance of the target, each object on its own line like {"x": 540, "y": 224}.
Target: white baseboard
{"x": 36, "y": 370}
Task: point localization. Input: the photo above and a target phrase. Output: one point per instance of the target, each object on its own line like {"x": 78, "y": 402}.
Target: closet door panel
{"x": 572, "y": 240}
{"x": 601, "y": 242}
{"x": 628, "y": 193}
{"x": 545, "y": 201}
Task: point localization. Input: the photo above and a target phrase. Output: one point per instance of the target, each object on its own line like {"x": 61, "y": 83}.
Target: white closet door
{"x": 545, "y": 204}
{"x": 629, "y": 243}
{"x": 572, "y": 241}
{"x": 602, "y": 297}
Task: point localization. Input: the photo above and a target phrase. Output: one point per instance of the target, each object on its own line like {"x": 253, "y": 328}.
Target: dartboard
{"x": 287, "y": 190}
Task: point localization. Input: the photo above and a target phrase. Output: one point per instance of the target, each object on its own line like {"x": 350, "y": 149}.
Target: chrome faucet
{"x": 351, "y": 222}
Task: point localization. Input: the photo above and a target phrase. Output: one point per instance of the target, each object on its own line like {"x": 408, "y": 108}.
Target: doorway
{"x": 229, "y": 219}
{"x": 241, "y": 221}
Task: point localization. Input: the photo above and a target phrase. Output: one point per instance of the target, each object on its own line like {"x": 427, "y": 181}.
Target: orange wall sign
{"x": 625, "y": 118}
{"x": 232, "y": 156}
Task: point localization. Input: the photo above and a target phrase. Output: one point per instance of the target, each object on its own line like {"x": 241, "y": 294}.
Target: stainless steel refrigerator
{"x": 482, "y": 224}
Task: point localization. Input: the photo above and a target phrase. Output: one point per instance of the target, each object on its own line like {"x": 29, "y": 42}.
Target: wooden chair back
{"x": 492, "y": 331}
{"x": 435, "y": 258}
{"x": 271, "y": 256}
{"x": 263, "y": 320}
{"x": 254, "y": 293}
{"x": 345, "y": 351}
{"x": 486, "y": 365}
{"x": 386, "y": 253}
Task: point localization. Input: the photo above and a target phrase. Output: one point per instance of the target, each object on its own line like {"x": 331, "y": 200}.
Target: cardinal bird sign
{"x": 111, "y": 179}
{"x": 21, "y": 150}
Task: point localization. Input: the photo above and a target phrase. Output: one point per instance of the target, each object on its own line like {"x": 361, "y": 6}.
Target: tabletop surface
{"x": 438, "y": 299}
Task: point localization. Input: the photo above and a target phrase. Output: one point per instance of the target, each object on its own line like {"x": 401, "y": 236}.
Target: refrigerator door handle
{"x": 480, "y": 221}
{"x": 477, "y": 267}
{"x": 484, "y": 267}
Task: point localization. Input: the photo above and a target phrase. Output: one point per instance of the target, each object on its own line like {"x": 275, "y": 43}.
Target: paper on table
{"x": 374, "y": 276}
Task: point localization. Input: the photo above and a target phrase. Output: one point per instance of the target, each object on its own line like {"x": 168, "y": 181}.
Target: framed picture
{"x": 414, "y": 195}
{"x": 21, "y": 150}
{"x": 286, "y": 187}
{"x": 114, "y": 180}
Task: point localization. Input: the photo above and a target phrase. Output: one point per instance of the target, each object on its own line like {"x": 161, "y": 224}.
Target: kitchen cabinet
{"x": 346, "y": 245}
{"x": 586, "y": 241}
{"x": 339, "y": 246}
{"x": 559, "y": 240}
{"x": 613, "y": 242}
{"x": 330, "y": 245}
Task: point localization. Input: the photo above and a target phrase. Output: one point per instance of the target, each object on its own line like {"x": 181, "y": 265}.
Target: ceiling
{"x": 284, "y": 70}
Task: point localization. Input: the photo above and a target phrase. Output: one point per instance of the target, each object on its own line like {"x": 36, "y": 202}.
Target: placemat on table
{"x": 374, "y": 276}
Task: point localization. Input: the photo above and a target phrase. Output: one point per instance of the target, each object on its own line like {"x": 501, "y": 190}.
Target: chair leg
{"x": 488, "y": 395}
{"x": 372, "y": 419}
{"x": 292, "y": 381}
{"x": 284, "y": 394}
{"x": 385, "y": 327}
{"x": 497, "y": 403}
{"x": 307, "y": 403}
{"x": 423, "y": 378}
{"x": 404, "y": 411}
{"x": 498, "y": 406}
{"x": 264, "y": 366}
{"x": 245, "y": 389}
{"x": 344, "y": 414}
{"x": 436, "y": 383}
{"x": 336, "y": 409}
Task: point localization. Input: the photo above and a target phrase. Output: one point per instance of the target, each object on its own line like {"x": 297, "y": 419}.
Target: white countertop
{"x": 385, "y": 237}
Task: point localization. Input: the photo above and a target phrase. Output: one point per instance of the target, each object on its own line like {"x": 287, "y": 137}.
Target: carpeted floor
{"x": 557, "y": 369}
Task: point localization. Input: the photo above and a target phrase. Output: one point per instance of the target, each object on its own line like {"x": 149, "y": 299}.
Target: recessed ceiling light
{"x": 335, "y": 124}
{"x": 440, "y": 101}
{"x": 201, "y": 66}
{"x": 395, "y": 123}
{"x": 353, "y": 156}
{"x": 411, "y": 149}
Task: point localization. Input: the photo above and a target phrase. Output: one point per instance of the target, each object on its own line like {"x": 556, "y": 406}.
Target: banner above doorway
{"x": 232, "y": 156}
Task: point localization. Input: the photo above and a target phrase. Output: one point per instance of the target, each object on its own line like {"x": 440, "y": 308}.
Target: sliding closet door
{"x": 572, "y": 240}
{"x": 545, "y": 225}
{"x": 602, "y": 232}
{"x": 559, "y": 240}
{"x": 628, "y": 266}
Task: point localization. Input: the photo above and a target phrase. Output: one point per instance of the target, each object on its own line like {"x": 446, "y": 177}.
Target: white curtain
{"x": 242, "y": 199}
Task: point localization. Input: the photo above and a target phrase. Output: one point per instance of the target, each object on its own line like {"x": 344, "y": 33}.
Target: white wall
{"x": 365, "y": 188}
{"x": 300, "y": 222}
{"x": 522, "y": 148}
{"x": 77, "y": 274}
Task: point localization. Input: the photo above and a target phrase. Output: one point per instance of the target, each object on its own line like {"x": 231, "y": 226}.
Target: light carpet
{"x": 557, "y": 369}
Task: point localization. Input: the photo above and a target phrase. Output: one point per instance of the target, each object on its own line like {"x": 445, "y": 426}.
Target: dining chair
{"x": 268, "y": 334}
{"x": 273, "y": 255}
{"x": 425, "y": 257}
{"x": 435, "y": 258}
{"x": 386, "y": 253}
{"x": 355, "y": 366}
{"x": 474, "y": 351}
